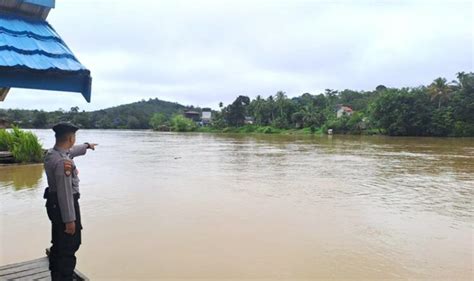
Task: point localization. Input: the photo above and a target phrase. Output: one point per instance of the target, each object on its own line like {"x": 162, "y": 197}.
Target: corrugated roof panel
{"x": 33, "y": 56}
{"x": 27, "y": 44}
{"x": 20, "y": 26}
{"x": 38, "y": 62}
{"x": 35, "y": 45}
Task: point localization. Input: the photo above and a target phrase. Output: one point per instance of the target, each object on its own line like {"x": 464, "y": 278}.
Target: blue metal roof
{"x": 33, "y": 46}
{"x": 45, "y": 3}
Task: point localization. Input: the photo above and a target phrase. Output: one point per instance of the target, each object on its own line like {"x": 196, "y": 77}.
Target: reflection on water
{"x": 266, "y": 207}
{"x": 20, "y": 176}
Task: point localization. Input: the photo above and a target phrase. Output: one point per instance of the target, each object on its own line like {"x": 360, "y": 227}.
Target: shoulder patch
{"x": 67, "y": 168}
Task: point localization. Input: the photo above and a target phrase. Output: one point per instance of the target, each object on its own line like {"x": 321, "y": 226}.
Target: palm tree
{"x": 271, "y": 107}
{"x": 465, "y": 81}
{"x": 259, "y": 109}
{"x": 281, "y": 102}
{"x": 440, "y": 90}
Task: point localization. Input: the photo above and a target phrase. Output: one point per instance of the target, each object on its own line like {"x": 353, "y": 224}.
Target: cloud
{"x": 203, "y": 52}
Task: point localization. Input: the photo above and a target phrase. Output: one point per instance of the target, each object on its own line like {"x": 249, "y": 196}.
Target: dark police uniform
{"x": 62, "y": 205}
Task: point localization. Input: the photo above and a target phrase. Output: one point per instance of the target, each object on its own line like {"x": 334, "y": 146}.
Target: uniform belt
{"x": 54, "y": 195}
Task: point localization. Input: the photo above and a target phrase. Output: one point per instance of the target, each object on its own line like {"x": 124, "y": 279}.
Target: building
{"x": 343, "y": 111}
{"x": 206, "y": 116}
{"x": 33, "y": 55}
{"x": 4, "y": 123}
{"x": 249, "y": 120}
{"x": 193, "y": 115}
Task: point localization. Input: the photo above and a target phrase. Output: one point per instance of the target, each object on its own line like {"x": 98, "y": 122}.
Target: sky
{"x": 202, "y": 52}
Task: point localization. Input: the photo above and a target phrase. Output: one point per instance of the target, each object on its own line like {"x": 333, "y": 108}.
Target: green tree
{"x": 442, "y": 122}
{"x": 157, "y": 120}
{"x": 40, "y": 119}
{"x": 133, "y": 123}
{"x": 463, "y": 105}
{"x": 105, "y": 122}
{"x": 297, "y": 119}
{"x": 332, "y": 97}
{"x": 82, "y": 119}
{"x": 257, "y": 110}
{"x": 74, "y": 109}
{"x": 380, "y": 88}
{"x": 179, "y": 123}
{"x": 234, "y": 114}
{"x": 405, "y": 112}
{"x": 440, "y": 90}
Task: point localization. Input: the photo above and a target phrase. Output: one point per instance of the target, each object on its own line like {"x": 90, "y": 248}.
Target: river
{"x": 173, "y": 206}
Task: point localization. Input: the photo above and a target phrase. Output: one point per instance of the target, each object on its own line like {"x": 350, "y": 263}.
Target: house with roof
{"x": 4, "y": 123}
{"x": 193, "y": 115}
{"x": 206, "y": 116}
{"x": 33, "y": 55}
{"x": 342, "y": 110}
{"x": 249, "y": 120}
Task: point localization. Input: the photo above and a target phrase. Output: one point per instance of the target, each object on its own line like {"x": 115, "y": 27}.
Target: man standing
{"x": 62, "y": 203}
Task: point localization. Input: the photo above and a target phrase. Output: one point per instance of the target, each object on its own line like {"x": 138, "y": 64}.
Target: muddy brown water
{"x": 169, "y": 206}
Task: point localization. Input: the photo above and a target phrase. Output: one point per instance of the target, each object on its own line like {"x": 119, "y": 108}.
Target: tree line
{"x": 441, "y": 108}
{"x": 130, "y": 116}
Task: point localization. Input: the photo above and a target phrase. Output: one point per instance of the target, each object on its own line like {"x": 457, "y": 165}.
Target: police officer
{"x": 62, "y": 203}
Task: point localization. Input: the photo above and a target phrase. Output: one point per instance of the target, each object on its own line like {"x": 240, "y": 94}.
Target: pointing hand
{"x": 93, "y": 145}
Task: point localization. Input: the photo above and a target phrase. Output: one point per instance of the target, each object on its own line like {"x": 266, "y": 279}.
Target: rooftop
{"x": 33, "y": 55}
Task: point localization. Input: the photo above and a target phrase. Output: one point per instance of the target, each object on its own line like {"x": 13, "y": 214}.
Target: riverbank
{"x": 252, "y": 129}
{"x": 255, "y": 129}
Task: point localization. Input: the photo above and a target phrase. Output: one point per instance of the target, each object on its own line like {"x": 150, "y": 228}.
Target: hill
{"x": 128, "y": 116}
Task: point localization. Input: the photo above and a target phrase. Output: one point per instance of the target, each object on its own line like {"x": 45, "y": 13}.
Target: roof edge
{"x": 45, "y": 3}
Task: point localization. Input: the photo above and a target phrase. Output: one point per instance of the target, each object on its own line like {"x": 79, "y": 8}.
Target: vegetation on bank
{"x": 24, "y": 146}
{"x": 256, "y": 129}
{"x": 129, "y": 116}
{"x": 440, "y": 109}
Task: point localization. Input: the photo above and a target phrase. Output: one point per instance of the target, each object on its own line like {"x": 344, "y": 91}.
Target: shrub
{"x": 267, "y": 130}
{"x": 6, "y": 139}
{"x": 179, "y": 123}
{"x": 24, "y": 146}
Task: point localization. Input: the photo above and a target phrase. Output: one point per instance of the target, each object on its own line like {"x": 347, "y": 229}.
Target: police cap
{"x": 63, "y": 128}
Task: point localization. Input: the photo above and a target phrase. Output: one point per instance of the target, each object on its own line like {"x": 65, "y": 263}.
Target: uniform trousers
{"x": 62, "y": 259}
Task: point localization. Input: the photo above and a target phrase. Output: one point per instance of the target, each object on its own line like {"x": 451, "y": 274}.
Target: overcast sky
{"x": 201, "y": 52}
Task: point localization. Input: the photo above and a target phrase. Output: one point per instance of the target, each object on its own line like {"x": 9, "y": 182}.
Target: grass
{"x": 24, "y": 146}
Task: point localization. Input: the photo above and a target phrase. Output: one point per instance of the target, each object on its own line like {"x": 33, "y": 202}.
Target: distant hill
{"x": 128, "y": 116}
{"x": 147, "y": 107}
{"x": 134, "y": 115}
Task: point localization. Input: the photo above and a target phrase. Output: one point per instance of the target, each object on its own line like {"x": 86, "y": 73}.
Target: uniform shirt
{"x": 64, "y": 183}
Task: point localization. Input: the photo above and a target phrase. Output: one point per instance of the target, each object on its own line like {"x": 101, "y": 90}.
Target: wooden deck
{"x": 31, "y": 270}
{"x": 6, "y": 157}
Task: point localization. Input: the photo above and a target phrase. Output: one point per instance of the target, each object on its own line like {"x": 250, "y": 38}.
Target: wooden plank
{"x": 24, "y": 274}
{"x": 35, "y": 276}
{"x": 6, "y": 154}
{"x": 6, "y": 157}
{"x": 23, "y": 265}
{"x": 43, "y": 276}
{"x": 37, "y": 269}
